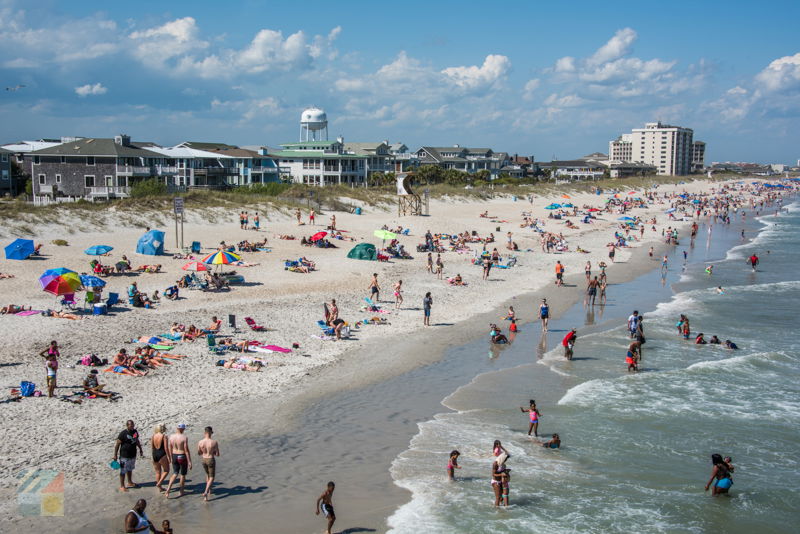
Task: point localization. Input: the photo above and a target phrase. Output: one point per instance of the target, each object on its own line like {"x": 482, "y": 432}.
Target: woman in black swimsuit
{"x": 159, "y": 443}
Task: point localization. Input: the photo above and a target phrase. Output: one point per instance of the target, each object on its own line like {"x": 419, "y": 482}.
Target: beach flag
{"x": 40, "y": 493}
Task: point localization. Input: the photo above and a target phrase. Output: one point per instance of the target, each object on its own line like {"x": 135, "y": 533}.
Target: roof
{"x": 571, "y": 163}
{"x": 364, "y": 148}
{"x": 237, "y": 152}
{"x": 199, "y": 145}
{"x": 397, "y": 146}
{"x": 521, "y": 160}
{"x": 595, "y": 155}
{"x": 313, "y": 144}
{"x": 311, "y": 154}
{"x": 478, "y": 150}
{"x": 30, "y": 146}
{"x": 186, "y": 152}
{"x": 96, "y": 146}
{"x": 4, "y": 151}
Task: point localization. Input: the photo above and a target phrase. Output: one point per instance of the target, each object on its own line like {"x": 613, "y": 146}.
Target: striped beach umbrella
{"x": 60, "y": 281}
{"x": 221, "y": 257}
{"x": 195, "y": 266}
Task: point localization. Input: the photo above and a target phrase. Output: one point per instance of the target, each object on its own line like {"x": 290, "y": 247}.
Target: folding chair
{"x": 252, "y": 324}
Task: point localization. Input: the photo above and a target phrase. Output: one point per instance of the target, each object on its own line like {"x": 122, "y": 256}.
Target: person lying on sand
{"x": 149, "y": 268}
{"x": 6, "y": 275}
{"x": 241, "y": 364}
{"x": 242, "y": 263}
{"x": 61, "y": 315}
{"x": 241, "y": 346}
{"x": 13, "y": 308}
{"x": 286, "y": 236}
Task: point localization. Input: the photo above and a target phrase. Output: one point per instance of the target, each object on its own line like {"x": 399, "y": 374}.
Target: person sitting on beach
{"x": 496, "y": 336}
{"x": 171, "y": 292}
{"x": 176, "y": 329}
{"x": 123, "y": 265}
{"x": 156, "y": 297}
{"x": 6, "y": 275}
{"x": 191, "y": 333}
{"x": 91, "y": 386}
{"x": 457, "y": 281}
{"x": 216, "y": 324}
{"x": 554, "y": 443}
{"x": 241, "y": 346}
{"x": 120, "y": 365}
{"x": 12, "y": 309}
{"x": 37, "y": 250}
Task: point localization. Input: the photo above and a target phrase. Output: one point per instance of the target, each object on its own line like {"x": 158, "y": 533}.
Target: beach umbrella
{"x": 567, "y": 205}
{"x": 626, "y": 219}
{"x": 87, "y": 280}
{"x": 593, "y": 209}
{"x": 98, "y": 250}
{"x": 19, "y": 249}
{"x": 195, "y": 266}
{"x": 384, "y": 234}
{"x": 552, "y": 206}
{"x": 565, "y": 196}
{"x": 671, "y": 210}
{"x": 632, "y": 193}
{"x": 221, "y": 257}
{"x": 60, "y": 281}
{"x": 318, "y": 236}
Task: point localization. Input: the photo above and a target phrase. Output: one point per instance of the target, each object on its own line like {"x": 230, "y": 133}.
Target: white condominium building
{"x": 668, "y": 148}
{"x": 621, "y": 148}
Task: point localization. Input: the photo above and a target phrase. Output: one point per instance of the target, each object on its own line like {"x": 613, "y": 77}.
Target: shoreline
{"x": 347, "y": 374}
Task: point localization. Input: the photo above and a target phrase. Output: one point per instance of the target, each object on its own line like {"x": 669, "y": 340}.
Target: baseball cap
{"x": 181, "y": 425}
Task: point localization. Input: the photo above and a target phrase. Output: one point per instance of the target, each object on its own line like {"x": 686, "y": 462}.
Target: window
{"x": 63, "y": 159}
{"x": 90, "y": 161}
{"x": 42, "y": 179}
{"x": 58, "y": 178}
{"x": 89, "y": 178}
{"x": 4, "y": 157}
{"x": 36, "y": 160}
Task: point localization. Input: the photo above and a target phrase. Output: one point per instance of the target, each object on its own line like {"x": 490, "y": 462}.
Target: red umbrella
{"x": 318, "y": 236}
{"x": 195, "y": 266}
{"x": 632, "y": 193}
{"x": 593, "y": 209}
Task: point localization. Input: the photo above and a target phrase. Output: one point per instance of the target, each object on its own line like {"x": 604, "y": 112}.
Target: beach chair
{"x": 113, "y": 298}
{"x": 195, "y": 247}
{"x": 252, "y": 324}
{"x": 371, "y": 304}
{"x": 69, "y": 301}
{"x": 327, "y": 330}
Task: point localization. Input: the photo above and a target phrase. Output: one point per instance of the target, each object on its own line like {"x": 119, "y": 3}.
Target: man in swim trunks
{"x": 559, "y": 274}
{"x": 633, "y": 323}
{"x": 179, "y": 456}
{"x": 208, "y": 449}
{"x": 327, "y": 506}
{"x": 375, "y": 288}
{"x": 591, "y": 290}
{"x": 753, "y": 261}
{"x": 569, "y": 343}
{"x": 632, "y": 357}
{"x": 125, "y": 453}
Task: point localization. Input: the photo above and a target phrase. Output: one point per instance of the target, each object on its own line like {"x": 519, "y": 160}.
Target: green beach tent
{"x": 363, "y": 251}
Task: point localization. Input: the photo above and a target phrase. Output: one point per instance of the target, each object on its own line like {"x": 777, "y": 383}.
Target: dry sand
{"x": 46, "y": 433}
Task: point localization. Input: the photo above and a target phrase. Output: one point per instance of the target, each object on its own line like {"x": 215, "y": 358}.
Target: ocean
{"x": 636, "y": 447}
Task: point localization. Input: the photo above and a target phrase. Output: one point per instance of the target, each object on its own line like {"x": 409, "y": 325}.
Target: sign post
{"x": 177, "y": 205}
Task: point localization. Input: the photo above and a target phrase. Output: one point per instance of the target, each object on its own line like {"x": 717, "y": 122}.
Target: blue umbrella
{"x": 568, "y": 205}
{"x": 92, "y": 281}
{"x": 20, "y": 249}
{"x": 552, "y": 206}
{"x": 98, "y": 250}
{"x": 626, "y": 219}
{"x": 671, "y": 210}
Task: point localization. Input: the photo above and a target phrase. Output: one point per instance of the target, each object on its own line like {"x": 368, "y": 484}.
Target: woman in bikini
{"x": 160, "y": 444}
{"x": 452, "y": 465}
{"x": 398, "y": 294}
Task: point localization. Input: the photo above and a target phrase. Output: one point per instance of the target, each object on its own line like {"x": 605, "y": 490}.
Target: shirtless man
{"x": 375, "y": 288}
{"x": 327, "y": 506}
{"x": 208, "y": 449}
{"x": 591, "y": 290}
{"x": 179, "y": 457}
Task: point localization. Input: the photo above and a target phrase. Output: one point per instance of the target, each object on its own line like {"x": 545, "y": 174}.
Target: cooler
{"x": 100, "y": 309}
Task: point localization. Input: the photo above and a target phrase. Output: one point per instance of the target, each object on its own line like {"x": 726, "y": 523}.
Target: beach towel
{"x": 162, "y": 347}
{"x": 276, "y": 348}
{"x": 29, "y": 313}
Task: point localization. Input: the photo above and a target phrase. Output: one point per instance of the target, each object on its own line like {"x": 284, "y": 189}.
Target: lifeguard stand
{"x": 407, "y": 202}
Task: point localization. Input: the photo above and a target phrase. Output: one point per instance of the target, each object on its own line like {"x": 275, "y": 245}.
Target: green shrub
{"x": 152, "y": 187}
{"x": 60, "y": 242}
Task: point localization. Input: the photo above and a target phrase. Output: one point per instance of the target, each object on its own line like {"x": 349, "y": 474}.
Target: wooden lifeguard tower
{"x": 408, "y": 203}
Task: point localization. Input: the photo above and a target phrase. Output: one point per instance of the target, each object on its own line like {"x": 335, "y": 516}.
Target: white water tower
{"x": 313, "y": 125}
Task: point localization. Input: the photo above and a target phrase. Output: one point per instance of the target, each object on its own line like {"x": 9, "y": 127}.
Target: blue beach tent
{"x": 20, "y": 249}
{"x": 151, "y": 243}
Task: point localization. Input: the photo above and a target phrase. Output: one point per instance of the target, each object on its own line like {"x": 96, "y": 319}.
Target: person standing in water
{"x": 533, "y": 413}
{"x": 500, "y": 477}
{"x": 721, "y": 472}
{"x": 325, "y": 505}
{"x": 591, "y": 290}
{"x": 208, "y": 450}
{"x": 544, "y": 314}
{"x": 569, "y": 343}
{"x": 632, "y": 356}
{"x": 452, "y": 464}
{"x": 753, "y": 261}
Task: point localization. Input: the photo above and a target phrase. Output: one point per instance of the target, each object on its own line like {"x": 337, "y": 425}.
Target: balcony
{"x": 108, "y": 191}
{"x": 129, "y": 170}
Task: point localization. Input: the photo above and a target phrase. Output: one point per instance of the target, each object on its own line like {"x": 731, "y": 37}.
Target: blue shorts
{"x": 724, "y": 483}
{"x": 427, "y": 313}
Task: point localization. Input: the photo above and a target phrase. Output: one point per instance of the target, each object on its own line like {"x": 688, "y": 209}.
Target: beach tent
{"x": 363, "y": 251}
{"x": 151, "y": 243}
{"x": 20, "y": 249}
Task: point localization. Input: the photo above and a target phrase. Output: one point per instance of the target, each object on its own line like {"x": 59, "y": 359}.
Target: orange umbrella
{"x": 565, "y": 196}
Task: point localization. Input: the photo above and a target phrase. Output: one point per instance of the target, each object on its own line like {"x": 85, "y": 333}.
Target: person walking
{"x": 559, "y": 273}
{"x": 125, "y": 453}
{"x": 208, "y": 450}
{"x": 158, "y": 444}
{"x": 180, "y": 458}
{"x": 375, "y": 288}
{"x": 398, "y": 294}
{"x": 325, "y": 505}
{"x": 544, "y": 314}
{"x": 311, "y": 217}
{"x": 427, "y": 302}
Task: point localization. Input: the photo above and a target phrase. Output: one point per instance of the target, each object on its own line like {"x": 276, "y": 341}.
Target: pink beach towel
{"x": 276, "y": 348}
{"x": 28, "y": 313}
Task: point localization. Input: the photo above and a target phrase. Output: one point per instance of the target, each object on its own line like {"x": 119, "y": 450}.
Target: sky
{"x": 547, "y": 79}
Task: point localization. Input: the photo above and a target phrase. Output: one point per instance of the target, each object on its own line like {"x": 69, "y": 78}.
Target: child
{"x": 534, "y": 414}
{"x": 452, "y": 464}
{"x": 165, "y": 528}
{"x": 513, "y": 326}
{"x": 327, "y": 505}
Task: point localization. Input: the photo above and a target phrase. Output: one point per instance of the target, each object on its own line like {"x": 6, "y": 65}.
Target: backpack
{"x": 26, "y": 388}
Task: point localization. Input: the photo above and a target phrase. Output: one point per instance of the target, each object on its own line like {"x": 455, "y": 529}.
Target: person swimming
{"x": 554, "y": 443}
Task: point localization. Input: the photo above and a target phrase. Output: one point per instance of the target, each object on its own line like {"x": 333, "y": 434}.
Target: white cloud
{"x": 91, "y": 89}
{"x": 155, "y": 46}
{"x": 494, "y": 68}
{"x": 781, "y": 74}
{"x": 565, "y": 64}
{"x": 530, "y": 88}
{"x": 615, "y": 48}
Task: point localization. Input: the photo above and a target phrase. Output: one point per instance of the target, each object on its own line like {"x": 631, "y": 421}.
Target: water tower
{"x": 313, "y": 125}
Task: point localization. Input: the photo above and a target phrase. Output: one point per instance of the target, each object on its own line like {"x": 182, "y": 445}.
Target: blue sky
{"x": 535, "y": 78}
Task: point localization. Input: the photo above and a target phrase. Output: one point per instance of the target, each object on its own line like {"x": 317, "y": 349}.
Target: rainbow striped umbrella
{"x": 221, "y": 257}
{"x": 60, "y": 281}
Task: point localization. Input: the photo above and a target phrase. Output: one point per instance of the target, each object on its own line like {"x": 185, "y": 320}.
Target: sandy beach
{"x": 78, "y": 439}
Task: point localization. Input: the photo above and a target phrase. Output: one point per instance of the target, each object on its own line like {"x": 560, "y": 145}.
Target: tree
{"x": 429, "y": 174}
